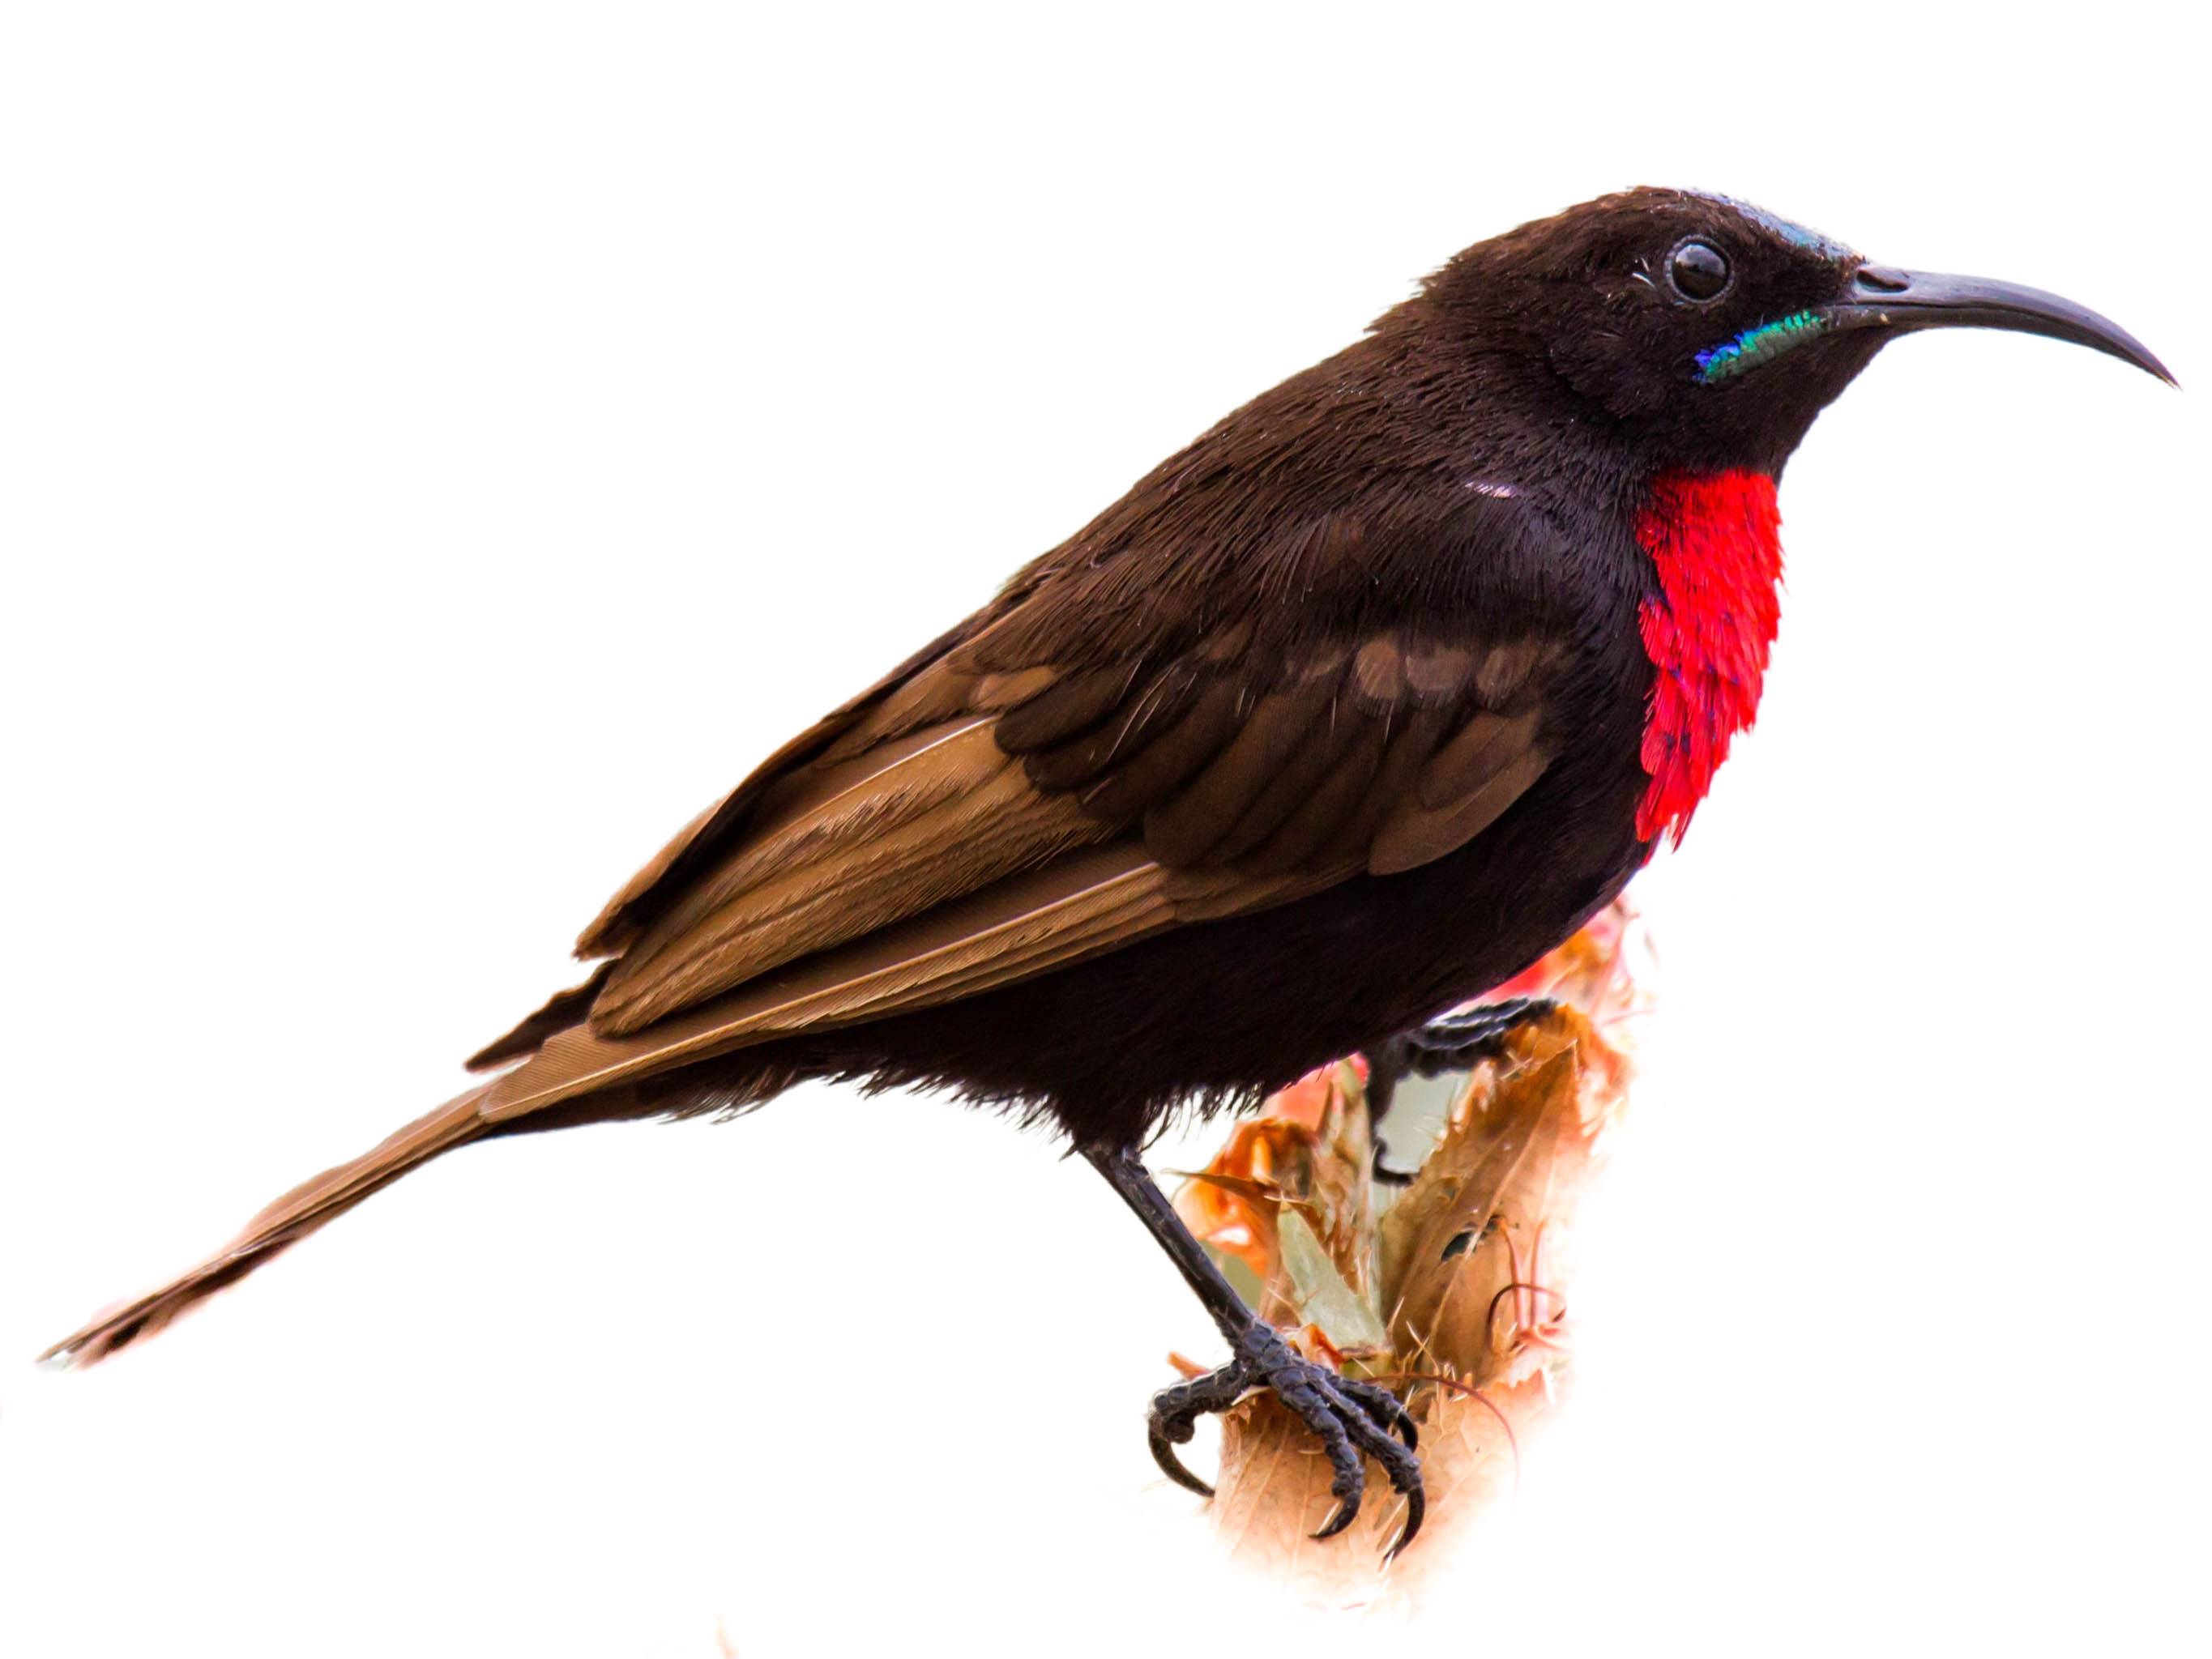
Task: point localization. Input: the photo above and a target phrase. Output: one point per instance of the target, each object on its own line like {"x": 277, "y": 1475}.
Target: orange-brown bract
{"x": 1452, "y": 1287}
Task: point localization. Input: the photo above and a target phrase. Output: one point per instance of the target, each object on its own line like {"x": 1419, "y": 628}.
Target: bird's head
{"x": 1711, "y": 331}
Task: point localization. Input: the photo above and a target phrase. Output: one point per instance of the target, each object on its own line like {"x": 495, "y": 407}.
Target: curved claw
{"x": 1350, "y": 1416}
{"x": 1347, "y": 1512}
{"x": 1365, "y": 1410}
{"x": 1417, "y": 1506}
{"x": 1174, "y": 1415}
{"x": 1172, "y": 1467}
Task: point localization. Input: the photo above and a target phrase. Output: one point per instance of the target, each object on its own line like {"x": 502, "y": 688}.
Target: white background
{"x": 435, "y": 442}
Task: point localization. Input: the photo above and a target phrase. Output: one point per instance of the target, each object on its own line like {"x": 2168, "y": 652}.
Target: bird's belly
{"x": 1216, "y": 1013}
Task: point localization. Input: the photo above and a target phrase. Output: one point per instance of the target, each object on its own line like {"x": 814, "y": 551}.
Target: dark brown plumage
{"x": 1341, "y": 716}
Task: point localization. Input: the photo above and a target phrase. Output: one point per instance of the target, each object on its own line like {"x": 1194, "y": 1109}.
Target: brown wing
{"x": 973, "y": 825}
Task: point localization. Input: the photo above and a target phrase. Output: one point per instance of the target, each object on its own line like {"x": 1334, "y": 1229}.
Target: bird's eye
{"x": 1698, "y": 270}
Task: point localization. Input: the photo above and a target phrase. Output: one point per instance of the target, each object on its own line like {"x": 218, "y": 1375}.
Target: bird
{"x": 1404, "y": 667}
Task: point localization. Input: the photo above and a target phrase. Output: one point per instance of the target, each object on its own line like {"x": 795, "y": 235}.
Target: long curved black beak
{"x": 1882, "y": 296}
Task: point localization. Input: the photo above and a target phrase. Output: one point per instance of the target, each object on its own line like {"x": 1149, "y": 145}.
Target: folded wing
{"x": 972, "y": 824}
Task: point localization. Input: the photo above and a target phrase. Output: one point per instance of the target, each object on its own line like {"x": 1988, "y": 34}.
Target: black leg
{"x": 1453, "y": 1043}
{"x": 1349, "y": 1416}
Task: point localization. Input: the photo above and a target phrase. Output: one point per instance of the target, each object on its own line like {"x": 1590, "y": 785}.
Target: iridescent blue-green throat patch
{"x": 1759, "y": 345}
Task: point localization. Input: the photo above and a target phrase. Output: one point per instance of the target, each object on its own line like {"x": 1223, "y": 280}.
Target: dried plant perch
{"x": 1447, "y": 1288}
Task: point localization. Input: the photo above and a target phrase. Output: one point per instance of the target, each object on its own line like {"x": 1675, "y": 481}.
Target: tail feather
{"x": 289, "y": 1219}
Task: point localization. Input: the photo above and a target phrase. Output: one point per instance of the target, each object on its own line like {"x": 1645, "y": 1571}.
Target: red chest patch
{"x": 1717, "y": 543}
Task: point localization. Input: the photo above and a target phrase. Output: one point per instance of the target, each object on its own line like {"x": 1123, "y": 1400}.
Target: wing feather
{"x": 1411, "y": 835}
{"x": 1156, "y": 765}
{"x": 977, "y": 822}
{"x": 1108, "y": 897}
{"x": 1067, "y": 708}
{"x": 1187, "y": 827}
{"x": 949, "y": 818}
{"x": 632, "y": 908}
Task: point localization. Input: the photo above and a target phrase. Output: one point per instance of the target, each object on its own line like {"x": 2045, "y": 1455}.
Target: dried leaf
{"x": 1466, "y": 1261}
{"x": 1318, "y": 1288}
{"x": 1308, "y": 1153}
{"x": 1273, "y": 1491}
{"x": 1503, "y": 1127}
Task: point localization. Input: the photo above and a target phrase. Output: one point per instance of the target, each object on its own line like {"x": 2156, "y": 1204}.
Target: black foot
{"x": 1454, "y": 1043}
{"x": 1457, "y": 1041}
{"x": 1348, "y": 1416}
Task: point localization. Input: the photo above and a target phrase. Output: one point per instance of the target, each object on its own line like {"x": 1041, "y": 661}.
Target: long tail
{"x": 289, "y": 1219}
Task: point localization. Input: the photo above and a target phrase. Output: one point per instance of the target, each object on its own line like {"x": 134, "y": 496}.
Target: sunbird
{"x": 1345, "y": 713}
